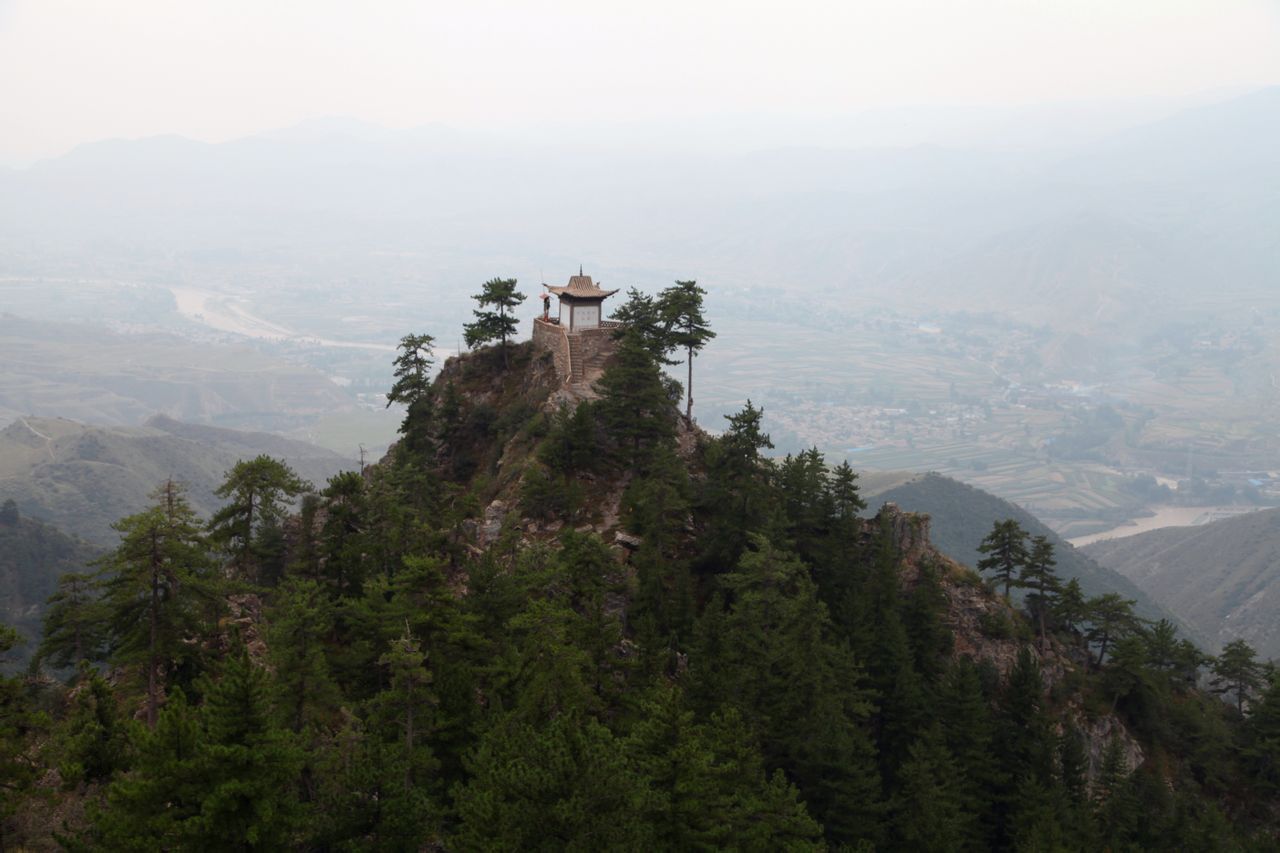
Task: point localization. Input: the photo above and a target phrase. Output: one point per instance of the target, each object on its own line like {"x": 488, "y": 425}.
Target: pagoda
{"x": 581, "y": 303}
{"x": 577, "y": 336}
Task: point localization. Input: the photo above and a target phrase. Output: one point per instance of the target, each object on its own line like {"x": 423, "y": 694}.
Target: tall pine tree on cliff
{"x": 681, "y": 309}
{"x": 499, "y": 323}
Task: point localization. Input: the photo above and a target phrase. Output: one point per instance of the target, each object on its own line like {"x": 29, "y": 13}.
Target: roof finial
{"x": 579, "y": 269}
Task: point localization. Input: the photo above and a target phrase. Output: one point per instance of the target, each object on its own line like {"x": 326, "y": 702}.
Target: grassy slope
{"x": 1223, "y": 578}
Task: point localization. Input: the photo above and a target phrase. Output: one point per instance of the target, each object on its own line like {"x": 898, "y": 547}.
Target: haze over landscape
{"x": 1008, "y": 260}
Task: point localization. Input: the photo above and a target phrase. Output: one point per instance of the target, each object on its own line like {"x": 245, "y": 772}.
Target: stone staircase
{"x": 577, "y": 366}
{"x": 584, "y": 369}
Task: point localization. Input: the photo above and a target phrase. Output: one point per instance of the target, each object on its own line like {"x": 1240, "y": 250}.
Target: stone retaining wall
{"x": 553, "y": 338}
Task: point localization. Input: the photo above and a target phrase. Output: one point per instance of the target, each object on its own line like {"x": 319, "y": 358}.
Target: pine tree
{"x": 158, "y": 591}
{"x": 157, "y": 805}
{"x": 258, "y": 491}
{"x": 928, "y": 809}
{"x": 344, "y": 544}
{"x": 1262, "y": 744}
{"x": 634, "y": 405}
{"x": 412, "y": 389}
{"x": 643, "y": 315}
{"x": 20, "y": 724}
{"x": 248, "y": 764}
{"x": 738, "y": 497}
{"x": 407, "y": 704}
{"x": 778, "y": 663}
{"x": 706, "y": 787}
{"x": 563, "y": 785}
{"x": 94, "y": 741}
{"x": 1039, "y": 578}
{"x": 1110, "y": 618}
{"x": 303, "y": 620}
{"x": 681, "y": 309}
{"x": 1006, "y": 548}
{"x": 498, "y": 324}
{"x": 1237, "y": 671}
{"x": 964, "y": 712}
{"x": 75, "y": 623}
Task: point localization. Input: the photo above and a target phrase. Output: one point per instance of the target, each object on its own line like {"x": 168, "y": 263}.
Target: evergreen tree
{"x": 94, "y": 741}
{"x": 75, "y": 623}
{"x": 643, "y": 315}
{"x": 1117, "y": 810}
{"x": 412, "y": 389}
{"x": 20, "y": 723}
{"x": 706, "y": 787}
{"x": 1006, "y": 550}
{"x": 248, "y": 764}
{"x": 303, "y": 620}
{"x": 564, "y": 785}
{"x": 681, "y": 309}
{"x": 157, "y": 805}
{"x": 969, "y": 730}
{"x": 158, "y": 591}
{"x": 738, "y": 496}
{"x": 1110, "y": 617}
{"x": 1262, "y": 739}
{"x": 1039, "y": 578}
{"x": 634, "y": 405}
{"x": 497, "y": 324}
{"x": 258, "y": 491}
{"x": 798, "y": 688}
{"x": 344, "y": 545}
{"x": 928, "y": 810}
{"x": 407, "y": 703}
{"x": 1237, "y": 671}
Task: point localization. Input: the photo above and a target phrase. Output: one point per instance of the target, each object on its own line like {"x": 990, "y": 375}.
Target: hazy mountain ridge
{"x": 83, "y": 478}
{"x": 1181, "y": 205}
{"x": 962, "y": 515}
{"x": 1223, "y": 578}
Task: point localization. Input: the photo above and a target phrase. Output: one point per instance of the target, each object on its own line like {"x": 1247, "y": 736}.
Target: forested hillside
{"x": 32, "y": 557}
{"x": 961, "y": 515}
{"x": 561, "y": 621}
{"x": 1223, "y": 578}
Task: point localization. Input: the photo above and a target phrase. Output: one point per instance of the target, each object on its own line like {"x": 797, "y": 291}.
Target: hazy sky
{"x": 72, "y": 72}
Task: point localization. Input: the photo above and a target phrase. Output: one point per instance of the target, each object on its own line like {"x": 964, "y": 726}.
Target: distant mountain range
{"x": 1223, "y": 577}
{"x": 961, "y": 515}
{"x": 83, "y": 478}
{"x": 1091, "y": 239}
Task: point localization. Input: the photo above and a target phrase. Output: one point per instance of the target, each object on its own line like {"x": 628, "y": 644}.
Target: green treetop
{"x": 159, "y": 590}
{"x": 499, "y": 323}
{"x": 1237, "y": 671}
{"x": 681, "y": 309}
{"x": 412, "y": 387}
{"x": 258, "y": 491}
{"x": 1006, "y": 550}
{"x": 1039, "y": 577}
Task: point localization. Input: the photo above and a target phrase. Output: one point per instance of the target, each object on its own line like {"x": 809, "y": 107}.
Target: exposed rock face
{"x": 494, "y": 514}
{"x": 985, "y": 628}
{"x": 1098, "y": 733}
{"x": 244, "y": 615}
{"x": 910, "y": 531}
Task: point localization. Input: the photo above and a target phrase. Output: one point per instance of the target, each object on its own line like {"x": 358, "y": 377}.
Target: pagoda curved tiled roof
{"x": 582, "y": 287}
